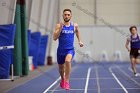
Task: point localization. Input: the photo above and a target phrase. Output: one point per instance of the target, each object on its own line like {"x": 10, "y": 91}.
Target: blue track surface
{"x": 86, "y": 78}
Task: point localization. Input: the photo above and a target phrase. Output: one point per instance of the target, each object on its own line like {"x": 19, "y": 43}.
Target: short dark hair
{"x": 132, "y": 28}
{"x": 67, "y": 10}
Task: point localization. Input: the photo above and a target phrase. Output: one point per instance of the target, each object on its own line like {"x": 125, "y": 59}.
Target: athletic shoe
{"x": 137, "y": 74}
{"x": 62, "y": 84}
{"x": 67, "y": 85}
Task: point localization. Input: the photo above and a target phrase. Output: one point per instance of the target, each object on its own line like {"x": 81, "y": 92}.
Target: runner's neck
{"x": 67, "y": 24}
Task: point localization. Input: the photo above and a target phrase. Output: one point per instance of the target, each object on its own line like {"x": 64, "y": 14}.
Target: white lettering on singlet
{"x": 67, "y": 31}
{"x": 134, "y": 40}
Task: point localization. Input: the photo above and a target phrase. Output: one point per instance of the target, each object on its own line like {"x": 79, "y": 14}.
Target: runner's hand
{"x": 81, "y": 44}
{"x": 129, "y": 50}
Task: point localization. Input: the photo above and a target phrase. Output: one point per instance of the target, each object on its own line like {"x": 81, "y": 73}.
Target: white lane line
{"x": 128, "y": 76}
{"x": 97, "y": 77}
{"x": 110, "y": 69}
{"x": 94, "y": 89}
{"x": 55, "y": 88}
{"x": 130, "y": 69}
{"x": 52, "y": 85}
{"x": 56, "y": 82}
{"x": 87, "y": 80}
{"x": 90, "y": 78}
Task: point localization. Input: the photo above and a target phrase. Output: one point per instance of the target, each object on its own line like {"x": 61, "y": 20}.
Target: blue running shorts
{"x": 62, "y": 53}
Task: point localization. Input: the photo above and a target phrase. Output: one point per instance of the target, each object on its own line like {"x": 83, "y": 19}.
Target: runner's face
{"x": 67, "y": 16}
{"x": 133, "y": 31}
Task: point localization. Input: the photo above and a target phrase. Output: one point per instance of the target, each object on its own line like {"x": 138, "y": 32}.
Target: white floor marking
{"x": 95, "y": 89}
{"x": 97, "y": 77}
{"x": 87, "y": 80}
{"x": 91, "y": 78}
{"x": 56, "y": 82}
{"x": 52, "y": 85}
{"x": 110, "y": 69}
{"x": 130, "y": 69}
{"x": 129, "y": 76}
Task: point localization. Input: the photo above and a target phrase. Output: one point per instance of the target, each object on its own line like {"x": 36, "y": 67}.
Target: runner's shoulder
{"x": 129, "y": 37}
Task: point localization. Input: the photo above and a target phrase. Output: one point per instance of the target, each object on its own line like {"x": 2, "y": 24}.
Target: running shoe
{"x": 137, "y": 74}
{"x": 62, "y": 84}
{"x": 67, "y": 85}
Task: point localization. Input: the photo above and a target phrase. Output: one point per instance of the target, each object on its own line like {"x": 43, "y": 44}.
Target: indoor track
{"x": 86, "y": 78}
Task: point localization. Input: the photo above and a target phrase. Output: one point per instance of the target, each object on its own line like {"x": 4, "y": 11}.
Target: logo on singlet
{"x": 135, "y": 40}
{"x": 67, "y": 31}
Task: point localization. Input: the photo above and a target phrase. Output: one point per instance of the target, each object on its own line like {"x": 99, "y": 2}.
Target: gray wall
{"x": 102, "y": 22}
{"x": 43, "y": 18}
{"x": 116, "y": 12}
{"x": 104, "y": 25}
{"x": 42, "y": 15}
{"x": 119, "y": 12}
{"x": 101, "y": 38}
{"x": 7, "y": 11}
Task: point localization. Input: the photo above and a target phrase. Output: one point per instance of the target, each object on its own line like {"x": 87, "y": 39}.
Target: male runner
{"x": 134, "y": 40}
{"x": 64, "y": 32}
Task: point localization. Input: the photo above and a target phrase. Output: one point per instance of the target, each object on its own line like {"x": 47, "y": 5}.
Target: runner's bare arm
{"x": 127, "y": 44}
{"x": 57, "y": 32}
{"x": 78, "y": 34}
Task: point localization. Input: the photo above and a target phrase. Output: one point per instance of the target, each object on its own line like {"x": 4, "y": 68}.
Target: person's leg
{"x": 61, "y": 66}
{"x": 133, "y": 64}
{"x": 138, "y": 57}
{"x": 61, "y": 63}
{"x": 137, "y": 60}
{"x": 67, "y": 70}
{"x": 68, "y": 66}
{"x": 68, "y": 59}
{"x": 61, "y": 70}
